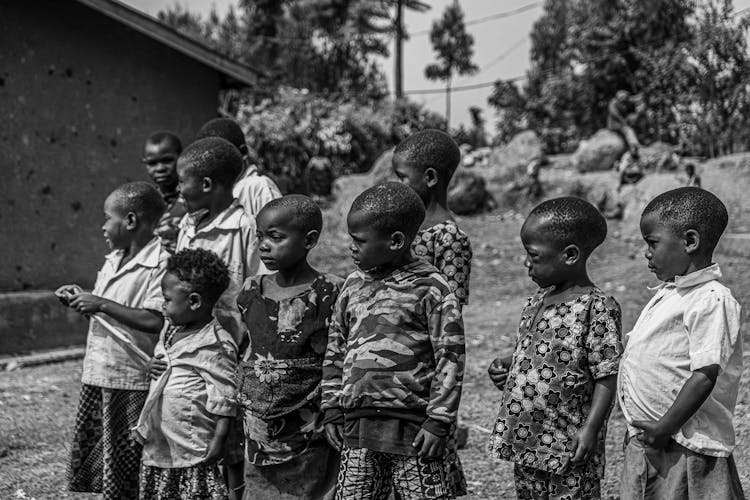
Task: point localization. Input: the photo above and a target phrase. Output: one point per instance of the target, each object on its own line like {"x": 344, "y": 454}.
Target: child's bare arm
{"x": 690, "y": 398}
{"x": 213, "y": 453}
{"x": 145, "y": 320}
{"x": 584, "y": 442}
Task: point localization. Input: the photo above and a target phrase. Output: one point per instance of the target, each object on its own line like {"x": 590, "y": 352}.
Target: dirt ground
{"x": 37, "y": 405}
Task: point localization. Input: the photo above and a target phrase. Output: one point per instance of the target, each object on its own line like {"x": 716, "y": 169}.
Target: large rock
{"x": 510, "y": 161}
{"x": 382, "y": 170}
{"x": 467, "y": 193}
{"x": 657, "y": 154}
{"x": 599, "y": 152}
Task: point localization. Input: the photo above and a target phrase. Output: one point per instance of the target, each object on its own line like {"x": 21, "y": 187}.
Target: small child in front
{"x": 104, "y": 458}
{"x": 681, "y": 369}
{"x": 394, "y": 365}
{"x": 186, "y": 416}
{"x": 559, "y": 384}
{"x": 426, "y": 162}
{"x": 287, "y": 314}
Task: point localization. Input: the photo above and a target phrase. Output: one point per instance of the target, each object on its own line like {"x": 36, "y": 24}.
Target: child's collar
{"x": 710, "y": 273}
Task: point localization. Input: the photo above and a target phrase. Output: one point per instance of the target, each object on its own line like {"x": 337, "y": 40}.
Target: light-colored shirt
{"x": 231, "y": 235}
{"x": 254, "y": 190}
{"x": 183, "y": 405}
{"x": 691, "y": 323}
{"x": 108, "y": 363}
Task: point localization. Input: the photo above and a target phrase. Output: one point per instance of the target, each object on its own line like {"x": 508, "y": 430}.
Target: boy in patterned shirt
{"x": 394, "y": 365}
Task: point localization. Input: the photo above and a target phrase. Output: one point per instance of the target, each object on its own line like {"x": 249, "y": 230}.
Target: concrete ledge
{"x": 36, "y": 321}
{"x": 735, "y": 244}
{"x": 41, "y": 358}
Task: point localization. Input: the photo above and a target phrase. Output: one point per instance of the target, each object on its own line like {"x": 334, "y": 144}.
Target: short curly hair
{"x": 203, "y": 270}
{"x": 430, "y": 148}
{"x": 307, "y": 213}
{"x": 214, "y": 158}
{"x": 691, "y": 208}
{"x": 142, "y": 198}
{"x": 226, "y": 128}
{"x": 572, "y": 221}
{"x": 390, "y": 207}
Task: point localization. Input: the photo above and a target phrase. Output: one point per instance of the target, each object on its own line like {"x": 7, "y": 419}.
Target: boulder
{"x": 381, "y": 170}
{"x": 467, "y": 192}
{"x": 658, "y": 154}
{"x": 509, "y": 162}
{"x": 599, "y": 152}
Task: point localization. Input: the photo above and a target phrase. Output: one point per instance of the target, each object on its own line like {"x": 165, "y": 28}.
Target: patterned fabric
{"x": 370, "y": 475}
{"x": 104, "y": 458}
{"x": 560, "y": 352}
{"x": 448, "y": 248}
{"x": 188, "y": 483}
{"x": 281, "y": 373}
{"x": 396, "y": 342}
{"x": 574, "y": 484}
{"x": 168, "y": 226}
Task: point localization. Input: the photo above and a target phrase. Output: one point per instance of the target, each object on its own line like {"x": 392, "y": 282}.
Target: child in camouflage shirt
{"x": 395, "y": 359}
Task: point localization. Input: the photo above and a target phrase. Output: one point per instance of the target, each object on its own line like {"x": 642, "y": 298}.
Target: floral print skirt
{"x": 200, "y": 481}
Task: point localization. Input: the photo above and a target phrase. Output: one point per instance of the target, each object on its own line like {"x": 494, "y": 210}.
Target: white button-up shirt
{"x": 254, "y": 191}
{"x": 199, "y": 385}
{"x": 108, "y": 363}
{"x": 231, "y": 235}
{"x": 689, "y": 324}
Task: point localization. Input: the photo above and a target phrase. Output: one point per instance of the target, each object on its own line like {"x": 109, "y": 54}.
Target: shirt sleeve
{"x": 712, "y": 322}
{"x": 219, "y": 372}
{"x": 251, "y": 262}
{"x": 604, "y": 338}
{"x": 446, "y": 330}
{"x": 333, "y": 363}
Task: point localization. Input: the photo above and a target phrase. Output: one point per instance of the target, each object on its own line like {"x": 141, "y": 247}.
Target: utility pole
{"x": 399, "y": 52}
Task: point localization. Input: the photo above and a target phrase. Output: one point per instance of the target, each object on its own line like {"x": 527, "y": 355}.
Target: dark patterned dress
{"x": 286, "y": 450}
{"x": 560, "y": 352}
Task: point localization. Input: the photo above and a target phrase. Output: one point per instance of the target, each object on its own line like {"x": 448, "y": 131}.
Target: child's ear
{"x": 398, "y": 240}
{"x": 431, "y": 177}
{"x": 131, "y": 221}
{"x": 311, "y": 239}
{"x": 572, "y": 254}
{"x": 692, "y": 241}
{"x": 195, "y": 300}
{"x": 207, "y": 184}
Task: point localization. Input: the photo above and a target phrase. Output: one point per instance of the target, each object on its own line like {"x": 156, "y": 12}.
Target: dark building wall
{"x": 79, "y": 93}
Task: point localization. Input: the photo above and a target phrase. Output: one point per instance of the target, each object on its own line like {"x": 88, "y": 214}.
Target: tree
{"x": 454, "y": 47}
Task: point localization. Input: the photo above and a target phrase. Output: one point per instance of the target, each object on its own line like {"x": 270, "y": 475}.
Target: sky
{"x": 501, "y": 46}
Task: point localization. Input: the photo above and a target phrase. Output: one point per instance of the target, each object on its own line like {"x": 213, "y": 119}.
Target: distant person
{"x": 287, "y": 314}
{"x": 252, "y": 188}
{"x": 559, "y": 383}
{"x": 693, "y": 179}
{"x": 619, "y": 117}
{"x": 104, "y": 457}
{"x": 319, "y": 177}
{"x": 629, "y": 168}
{"x": 192, "y": 400}
{"x": 682, "y": 365}
{"x": 395, "y": 360}
{"x": 160, "y": 158}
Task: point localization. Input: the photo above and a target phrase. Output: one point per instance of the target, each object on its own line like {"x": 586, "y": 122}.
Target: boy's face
{"x": 370, "y": 247}
{"x": 281, "y": 244}
{"x": 544, "y": 258}
{"x": 193, "y": 189}
{"x": 117, "y": 225}
{"x": 412, "y": 176}
{"x": 161, "y": 164}
{"x": 180, "y": 304}
{"x": 666, "y": 251}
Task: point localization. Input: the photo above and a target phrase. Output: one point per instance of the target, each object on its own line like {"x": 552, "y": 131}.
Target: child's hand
{"x": 156, "y": 366}
{"x": 86, "y": 303}
{"x": 65, "y": 292}
{"x": 498, "y": 372}
{"x": 216, "y": 445}
{"x": 428, "y": 444}
{"x": 334, "y": 435}
{"x": 653, "y": 434}
{"x": 584, "y": 445}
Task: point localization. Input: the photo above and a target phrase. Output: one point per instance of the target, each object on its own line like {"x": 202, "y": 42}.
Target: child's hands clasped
{"x": 335, "y": 435}
{"x": 428, "y": 444}
{"x": 653, "y": 435}
{"x": 87, "y": 303}
{"x": 156, "y": 366}
{"x": 498, "y": 372}
{"x": 66, "y": 292}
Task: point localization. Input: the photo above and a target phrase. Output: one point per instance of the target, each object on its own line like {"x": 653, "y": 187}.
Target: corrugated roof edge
{"x": 169, "y": 36}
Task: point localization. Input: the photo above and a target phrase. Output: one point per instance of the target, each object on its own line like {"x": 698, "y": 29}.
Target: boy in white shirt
{"x": 682, "y": 364}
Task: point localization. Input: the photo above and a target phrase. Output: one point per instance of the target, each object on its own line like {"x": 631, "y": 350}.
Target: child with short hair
{"x": 287, "y": 315}
{"x": 394, "y": 365}
{"x": 559, "y": 384}
{"x": 185, "y": 419}
{"x": 252, "y": 188}
{"x": 426, "y": 161}
{"x": 160, "y": 158}
{"x": 104, "y": 458}
{"x": 681, "y": 369}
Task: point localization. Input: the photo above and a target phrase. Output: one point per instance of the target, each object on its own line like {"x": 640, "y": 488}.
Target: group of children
{"x": 221, "y": 364}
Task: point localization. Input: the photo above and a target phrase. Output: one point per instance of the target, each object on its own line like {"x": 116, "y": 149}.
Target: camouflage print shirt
{"x": 396, "y": 343}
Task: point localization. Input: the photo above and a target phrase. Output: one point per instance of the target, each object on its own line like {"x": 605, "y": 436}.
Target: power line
{"x": 493, "y": 17}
